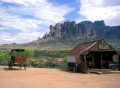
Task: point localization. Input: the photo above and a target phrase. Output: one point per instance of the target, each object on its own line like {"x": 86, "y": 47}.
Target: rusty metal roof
{"x": 83, "y": 48}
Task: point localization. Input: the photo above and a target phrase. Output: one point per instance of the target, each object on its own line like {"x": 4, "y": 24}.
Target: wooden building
{"x": 95, "y": 54}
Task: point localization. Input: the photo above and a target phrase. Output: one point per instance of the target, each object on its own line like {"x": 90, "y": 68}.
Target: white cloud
{"x": 28, "y": 16}
{"x": 7, "y": 38}
{"x": 40, "y": 9}
{"x": 107, "y": 10}
{"x": 3, "y": 28}
{"x": 15, "y": 22}
{"x": 27, "y": 37}
{"x": 25, "y": 2}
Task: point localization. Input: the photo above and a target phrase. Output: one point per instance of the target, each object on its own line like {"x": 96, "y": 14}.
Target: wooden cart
{"x": 17, "y": 60}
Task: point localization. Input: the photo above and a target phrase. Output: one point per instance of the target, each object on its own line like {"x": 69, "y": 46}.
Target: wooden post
{"x": 93, "y": 60}
{"x": 85, "y": 63}
{"x": 101, "y": 60}
{"x": 119, "y": 63}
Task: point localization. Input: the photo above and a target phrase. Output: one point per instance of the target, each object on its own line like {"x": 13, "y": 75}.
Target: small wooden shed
{"x": 95, "y": 54}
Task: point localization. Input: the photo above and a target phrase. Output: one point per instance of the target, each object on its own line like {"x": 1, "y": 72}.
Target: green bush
{"x": 54, "y": 54}
{"x": 51, "y": 63}
{"x": 4, "y": 58}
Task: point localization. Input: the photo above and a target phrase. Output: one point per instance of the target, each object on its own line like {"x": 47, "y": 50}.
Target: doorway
{"x": 97, "y": 59}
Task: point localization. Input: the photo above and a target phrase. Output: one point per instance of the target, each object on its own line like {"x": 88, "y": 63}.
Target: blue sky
{"x": 23, "y": 21}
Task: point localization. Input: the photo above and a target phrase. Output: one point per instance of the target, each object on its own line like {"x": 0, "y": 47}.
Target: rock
{"x": 46, "y": 35}
{"x": 71, "y": 30}
{"x": 57, "y": 30}
{"x": 51, "y": 33}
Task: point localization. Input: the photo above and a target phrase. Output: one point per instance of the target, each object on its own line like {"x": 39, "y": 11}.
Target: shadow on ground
{"x": 13, "y": 69}
{"x": 65, "y": 70}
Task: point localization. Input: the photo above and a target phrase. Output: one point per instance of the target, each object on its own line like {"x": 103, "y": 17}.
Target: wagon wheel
{"x": 74, "y": 69}
{"x": 20, "y": 66}
{"x": 68, "y": 69}
{"x": 10, "y": 66}
{"x": 24, "y": 66}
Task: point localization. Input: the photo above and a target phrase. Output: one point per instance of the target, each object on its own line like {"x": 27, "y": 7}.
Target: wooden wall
{"x": 103, "y": 44}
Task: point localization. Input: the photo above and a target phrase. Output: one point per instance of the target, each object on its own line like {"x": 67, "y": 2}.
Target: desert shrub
{"x": 50, "y": 57}
{"x": 50, "y": 63}
{"x": 4, "y": 58}
{"x": 28, "y": 53}
{"x": 63, "y": 65}
{"x": 54, "y": 54}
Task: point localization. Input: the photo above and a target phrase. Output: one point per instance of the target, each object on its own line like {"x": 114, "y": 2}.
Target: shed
{"x": 95, "y": 54}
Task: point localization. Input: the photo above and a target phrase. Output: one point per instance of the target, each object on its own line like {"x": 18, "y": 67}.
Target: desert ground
{"x": 55, "y": 78}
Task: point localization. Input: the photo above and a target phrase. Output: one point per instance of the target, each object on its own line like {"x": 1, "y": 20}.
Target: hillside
{"x": 68, "y": 34}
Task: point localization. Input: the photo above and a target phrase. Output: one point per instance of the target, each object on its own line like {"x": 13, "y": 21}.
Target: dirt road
{"x": 55, "y": 78}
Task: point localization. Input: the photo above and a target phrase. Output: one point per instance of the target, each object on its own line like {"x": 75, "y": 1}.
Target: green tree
{"x": 28, "y": 53}
{"x": 4, "y": 57}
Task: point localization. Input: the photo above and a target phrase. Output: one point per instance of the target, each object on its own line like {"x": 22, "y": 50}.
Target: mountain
{"x": 68, "y": 34}
{"x": 70, "y": 30}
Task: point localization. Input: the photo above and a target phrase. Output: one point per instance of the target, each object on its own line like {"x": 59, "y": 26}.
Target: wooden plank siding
{"x": 103, "y": 42}
{"x": 19, "y": 59}
{"x": 78, "y": 59}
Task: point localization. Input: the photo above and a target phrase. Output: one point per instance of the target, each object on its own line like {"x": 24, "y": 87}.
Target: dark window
{"x": 82, "y": 58}
{"x": 89, "y": 57}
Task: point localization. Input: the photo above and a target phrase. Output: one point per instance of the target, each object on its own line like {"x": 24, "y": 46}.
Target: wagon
{"x": 17, "y": 60}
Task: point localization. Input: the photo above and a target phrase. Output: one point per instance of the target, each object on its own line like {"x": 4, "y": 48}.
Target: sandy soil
{"x": 55, "y": 78}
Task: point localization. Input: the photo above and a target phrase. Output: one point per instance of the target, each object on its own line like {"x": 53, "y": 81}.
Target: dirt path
{"x": 54, "y": 78}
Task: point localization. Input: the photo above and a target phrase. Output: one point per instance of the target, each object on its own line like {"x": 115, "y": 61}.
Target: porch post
{"x": 85, "y": 63}
{"x": 93, "y": 61}
{"x": 101, "y": 60}
{"x": 119, "y": 62}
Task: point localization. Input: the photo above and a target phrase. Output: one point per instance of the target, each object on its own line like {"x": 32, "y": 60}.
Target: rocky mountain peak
{"x": 99, "y": 23}
{"x": 70, "y": 29}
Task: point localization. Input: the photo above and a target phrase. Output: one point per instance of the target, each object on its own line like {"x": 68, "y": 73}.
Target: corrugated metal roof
{"x": 83, "y": 48}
